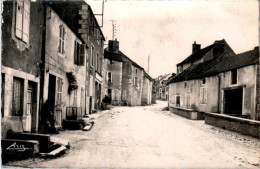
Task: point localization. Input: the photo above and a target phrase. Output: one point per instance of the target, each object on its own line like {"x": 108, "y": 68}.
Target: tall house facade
{"x": 124, "y": 79}
{"x": 21, "y": 63}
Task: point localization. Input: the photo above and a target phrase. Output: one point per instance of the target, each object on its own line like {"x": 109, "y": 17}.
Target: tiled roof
{"x": 120, "y": 56}
{"x": 221, "y": 64}
{"x": 235, "y": 61}
{"x": 196, "y": 55}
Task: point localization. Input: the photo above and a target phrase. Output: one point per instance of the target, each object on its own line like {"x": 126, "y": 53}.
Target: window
{"x": 187, "y": 100}
{"x": 109, "y": 77}
{"x": 234, "y": 76}
{"x": 59, "y": 91}
{"x": 136, "y": 81}
{"x": 92, "y": 55}
{"x": 75, "y": 98}
{"x": 135, "y": 71}
{"x": 203, "y": 81}
{"x": 185, "y": 84}
{"x": 17, "y": 99}
{"x": 160, "y": 90}
{"x": 97, "y": 62}
{"x": 111, "y": 62}
{"x": 178, "y": 101}
{"x": 61, "y": 39}
{"x": 203, "y": 95}
{"x": 172, "y": 100}
{"x": 22, "y": 20}
{"x": 100, "y": 65}
{"x": 79, "y": 54}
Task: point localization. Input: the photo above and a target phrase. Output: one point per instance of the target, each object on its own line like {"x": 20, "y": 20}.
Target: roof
{"x": 202, "y": 52}
{"x": 69, "y": 13}
{"x": 221, "y": 64}
{"x": 120, "y": 56}
{"x": 236, "y": 61}
{"x": 148, "y": 76}
{"x": 196, "y": 55}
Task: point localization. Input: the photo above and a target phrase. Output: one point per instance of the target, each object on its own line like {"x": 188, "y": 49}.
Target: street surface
{"x": 140, "y": 137}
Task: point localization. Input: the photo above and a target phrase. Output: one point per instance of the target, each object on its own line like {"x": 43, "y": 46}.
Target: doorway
{"x": 109, "y": 95}
{"x": 51, "y": 92}
{"x": 233, "y": 101}
{"x": 31, "y": 107}
{"x": 90, "y": 105}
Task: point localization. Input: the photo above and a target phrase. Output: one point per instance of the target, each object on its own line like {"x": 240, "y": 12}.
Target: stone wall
{"x": 187, "y": 113}
{"x": 243, "y": 126}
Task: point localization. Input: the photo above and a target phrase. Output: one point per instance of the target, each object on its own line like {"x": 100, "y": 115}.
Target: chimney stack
{"x": 218, "y": 48}
{"x": 195, "y": 47}
{"x": 113, "y": 46}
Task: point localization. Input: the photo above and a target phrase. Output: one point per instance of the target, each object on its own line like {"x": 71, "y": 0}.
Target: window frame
{"x": 59, "y": 91}
{"x": 232, "y": 77}
{"x": 23, "y": 21}
{"x": 92, "y": 55}
{"x": 176, "y": 100}
{"x": 110, "y": 78}
{"x": 136, "y": 84}
{"x": 203, "y": 95}
{"x": 62, "y": 34}
{"x": 21, "y": 97}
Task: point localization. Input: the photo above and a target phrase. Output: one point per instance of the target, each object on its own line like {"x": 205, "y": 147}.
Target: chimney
{"x": 195, "y": 47}
{"x": 218, "y": 48}
{"x": 113, "y": 46}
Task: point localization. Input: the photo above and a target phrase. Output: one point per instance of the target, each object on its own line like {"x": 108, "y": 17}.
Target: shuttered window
{"x": 22, "y": 20}
{"x": 203, "y": 95}
{"x": 75, "y": 98}
{"x": 61, "y": 39}
{"x": 79, "y": 54}
{"x": 59, "y": 91}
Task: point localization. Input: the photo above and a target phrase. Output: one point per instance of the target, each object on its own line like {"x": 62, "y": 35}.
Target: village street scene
{"x": 114, "y": 84}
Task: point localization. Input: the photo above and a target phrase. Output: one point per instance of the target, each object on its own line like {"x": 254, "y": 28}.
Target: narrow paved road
{"x": 150, "y": 137}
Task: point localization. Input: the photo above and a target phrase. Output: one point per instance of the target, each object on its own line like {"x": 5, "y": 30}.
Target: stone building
{"x": 223, "y": 83}
{"x": 21, "y": 61}
{"x": 46, "y": 56}
{"x": 147, "y": 89}
{"x": 124, "y": 78}
{"x": 161, "y": 87}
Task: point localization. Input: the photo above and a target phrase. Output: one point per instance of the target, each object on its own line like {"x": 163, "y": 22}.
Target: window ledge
{"x": 61, "y": 54}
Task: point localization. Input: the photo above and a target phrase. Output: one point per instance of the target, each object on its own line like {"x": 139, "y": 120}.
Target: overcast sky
{"x": 166, "y": 30}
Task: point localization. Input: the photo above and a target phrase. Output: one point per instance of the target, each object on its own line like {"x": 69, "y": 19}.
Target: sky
{"x": 166, "y": 29}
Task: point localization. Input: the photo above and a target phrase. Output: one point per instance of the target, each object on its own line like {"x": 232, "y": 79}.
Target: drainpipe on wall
{"x": 42, "y": 70}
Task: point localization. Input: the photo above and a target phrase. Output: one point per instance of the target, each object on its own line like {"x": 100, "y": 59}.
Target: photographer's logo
{"x": 18, "y": 147}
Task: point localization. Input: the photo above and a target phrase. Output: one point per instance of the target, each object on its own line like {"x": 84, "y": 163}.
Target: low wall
{"x": 187, "y": 113}
{"x": 240, "y": 125}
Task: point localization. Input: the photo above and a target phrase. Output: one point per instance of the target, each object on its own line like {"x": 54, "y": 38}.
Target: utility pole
{"x": 148, "y": 64}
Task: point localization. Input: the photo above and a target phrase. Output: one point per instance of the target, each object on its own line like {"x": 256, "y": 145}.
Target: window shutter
{"x": 201, "y": 95}
{"x": 82, "y": 55}
{"x": 111, "y": 78}
{"x": 19, "y": 19}
{"x": 26, "y": 21}
{"x": 75, "y": 53}
{"x": 63, "y": 40}
{"x": 205, "y": 95}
